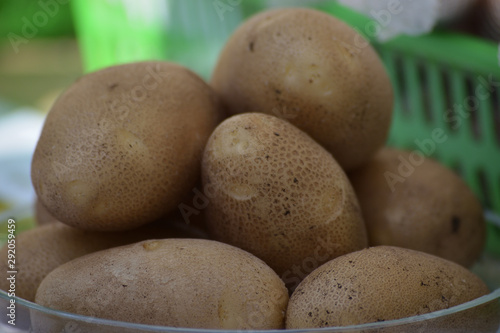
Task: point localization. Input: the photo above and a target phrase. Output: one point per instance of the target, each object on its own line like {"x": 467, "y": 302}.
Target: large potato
{"x": 123, "y": 145}
{"x": 414, "y": 202}
{"x": 384, "y": 283}
{"x": 278, "y": 194}
{"x": 170, "y": 282}
{"x": 41, "y": 250}
{"x": 312, "y": 69}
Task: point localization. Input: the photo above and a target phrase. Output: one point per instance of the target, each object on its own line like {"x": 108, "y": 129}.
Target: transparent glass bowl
{"x": 479, "y": 315}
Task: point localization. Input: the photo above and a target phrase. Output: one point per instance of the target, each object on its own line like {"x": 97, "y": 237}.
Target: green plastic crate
{"x": 447, "y": 86}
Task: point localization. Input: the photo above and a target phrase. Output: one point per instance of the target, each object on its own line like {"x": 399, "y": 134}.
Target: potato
{"x": 384, "y": 283}
{"x": 278, "y": 194}
{"x": 171, "y": 282}
{"x": 42, "y": 249}
{"x": 313, "y": 70}
{"x": 414, "y": 202}
{"x": 122, "y": 146}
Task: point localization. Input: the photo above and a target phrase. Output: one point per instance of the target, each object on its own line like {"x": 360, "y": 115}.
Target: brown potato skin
{"x": 171, "y": 282}
{"x": 431, "y": 210}
{"x": 313, "y": 70}
{"x": 384, "y": 283}
{"x": 42, "y": 249}
{"x": 278, "y": 194}
{"x": 122, "y": 146}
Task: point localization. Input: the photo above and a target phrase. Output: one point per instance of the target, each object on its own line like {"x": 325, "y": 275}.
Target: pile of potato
{"x": 167, "y": 213}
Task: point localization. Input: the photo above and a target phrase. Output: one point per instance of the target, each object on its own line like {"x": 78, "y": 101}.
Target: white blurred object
{"x": 410, "y": 17}
{"x": 19, "y": 132}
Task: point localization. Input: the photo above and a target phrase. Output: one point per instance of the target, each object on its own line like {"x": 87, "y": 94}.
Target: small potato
{"x": 278, "y": 194}
{"x": 123, "y": 145}
{"x": 41, "y": 250}
{"x": 384, "y": 283}
{"x": 311, "y": 69}
{"x": 415, "y": 202}
{"x": 171, "y": 282}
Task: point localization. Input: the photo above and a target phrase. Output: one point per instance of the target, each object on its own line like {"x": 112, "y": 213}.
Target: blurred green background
{"x": 39, "y": 57}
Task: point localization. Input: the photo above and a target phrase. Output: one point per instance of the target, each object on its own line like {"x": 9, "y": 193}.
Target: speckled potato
{"x": 171, "y": 282}
{"x": 384, "y": 283}
{"x": 122, "y": 146}
{"x": 278, "y": 194}
{"x": 313, "y": 70}
{"x": 414, "y": 202}
{"x": 41, "y": 250}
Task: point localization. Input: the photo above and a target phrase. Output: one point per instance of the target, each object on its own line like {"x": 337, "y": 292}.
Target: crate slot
{"x": 496, "y": 193}
{"x": 400, "y": 78}
{"x": 414, "y": 96}
{"x": 473, "y": 106}
{"x": 426, "y": 89}
{"x": 437, "y": 96}
{"x": 448, "y": 98}
{"x": 495, "y": 103}
{"x": 390, "y": 60}
{"x": 461, "y": 116}
{"x": 484, "y": 188}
